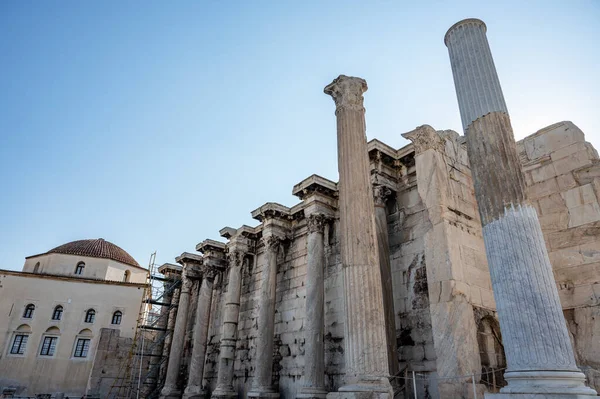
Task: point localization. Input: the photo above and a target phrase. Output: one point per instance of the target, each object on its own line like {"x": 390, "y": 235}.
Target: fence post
{"x": 474, "y": 388}
{"x": 414, "y": 385}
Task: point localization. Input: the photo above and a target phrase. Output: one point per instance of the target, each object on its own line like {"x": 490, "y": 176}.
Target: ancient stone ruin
{"x": 470, "y": 261}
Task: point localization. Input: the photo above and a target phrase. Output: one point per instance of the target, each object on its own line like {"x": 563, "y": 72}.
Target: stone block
{"x": 487, "y": 299}
{"x": 563, "y": 152}
{"x": 577, "y": 296}
{"x": 554, "y": 221}
{"x": 572, "y": 162}
{"x": 552, "y": 203}
{"x": 590, "y": 252}
{"x": 566, "y": 181}
{"x": 543, "y": 172}
{"x": 542, "y": 189}
{"x": 573, "y": 237}
{"x": 566, "y": 257}
{"x": 587, "y": 213}
{"x": 551, "y": 139}
{"x": 583, "y": 274}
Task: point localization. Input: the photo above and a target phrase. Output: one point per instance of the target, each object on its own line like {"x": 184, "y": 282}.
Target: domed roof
{"x": 95, "y": 248}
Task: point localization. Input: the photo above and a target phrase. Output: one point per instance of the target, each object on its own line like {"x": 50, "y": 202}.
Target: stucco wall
{"x": 32, "y": 373}
{"x": 99, "y": 268}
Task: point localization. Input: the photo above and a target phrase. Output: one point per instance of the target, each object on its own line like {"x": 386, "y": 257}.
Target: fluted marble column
{"x": 314, "y": 350}
{"x": 539, "y": 354}
{"x": 170, "y": 389}
{"x": 196, "y": 367}
{"x": 262, "y": 385}
{"x": 381, "y": 194}
{"x": 365, "y": 347}
{"x": 231, "y": 314}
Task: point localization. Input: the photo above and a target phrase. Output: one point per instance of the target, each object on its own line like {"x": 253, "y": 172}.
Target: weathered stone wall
{"x": 562, "y": 174}
{"x": 289, "y": 318}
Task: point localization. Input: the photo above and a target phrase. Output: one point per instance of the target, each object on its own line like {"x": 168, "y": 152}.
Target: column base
{"x": 224, "y": 393}
{"x": 169, "y": 392}
{"x": 266, "y": 393}
{"x": 311, "y": 393}
{"x": 194, "y": 392}
{"x": 366, "y": 388}
{"x": 544, "y": 384}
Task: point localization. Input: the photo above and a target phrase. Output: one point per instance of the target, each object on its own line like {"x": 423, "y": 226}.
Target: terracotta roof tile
{"x": 96, "y": 248}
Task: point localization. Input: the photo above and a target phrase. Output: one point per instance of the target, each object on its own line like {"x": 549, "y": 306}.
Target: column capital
{"x": 316, "y": 222}
{"x": 271, "y": 242}
{"x": 381, "y": 195}
{"x": 425, "y": 138}
{"x": 235, "y": 256}
{"x": 347, "y": 92}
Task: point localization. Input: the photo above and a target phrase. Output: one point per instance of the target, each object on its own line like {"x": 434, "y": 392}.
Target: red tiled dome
{"x": 95, "y": 248}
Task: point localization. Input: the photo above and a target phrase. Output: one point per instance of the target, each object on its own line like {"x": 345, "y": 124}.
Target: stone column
{"x": 231, "y": 314}
{"x": 169, "y": 333}
{"x": 365, "y": 347}
{"x": 170, "y": 389}
{"x": 262, "y": 385}
{"x": 539, "y": 354}
{"x": 314, "y": 350}
{"x": 196, "y": 367}
{"x": 381, "y": 194}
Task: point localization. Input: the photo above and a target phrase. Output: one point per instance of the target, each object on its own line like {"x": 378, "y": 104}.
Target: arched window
{"x": 28, "y": 313}
{"x": 79, "y": 268}
{"x": 90, "y": 315}
{"x": 49, "y": 341}
{"x": 36, "y": 268}
{"x": 57, "y": 314}
{"x": 126, "y": 276}
{"x": 82, "y": 343}
{"x": 117, "y": 316}
{"x": 19, "y": 343}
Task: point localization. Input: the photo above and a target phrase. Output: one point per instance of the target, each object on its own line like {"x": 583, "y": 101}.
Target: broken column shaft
{"x": 539, "y": 354}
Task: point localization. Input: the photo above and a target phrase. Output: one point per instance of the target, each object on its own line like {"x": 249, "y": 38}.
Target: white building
{"x": 51, "y": 314}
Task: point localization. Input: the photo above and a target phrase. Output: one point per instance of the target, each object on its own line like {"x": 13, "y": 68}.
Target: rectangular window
{"x": 49, "y": 346}
{"x": 19, "y": 344}
{"x": 82, "y": 347}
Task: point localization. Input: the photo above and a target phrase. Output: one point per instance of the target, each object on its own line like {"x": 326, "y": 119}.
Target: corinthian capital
{"x": 316, "y": 223}
{"x": 235, "y": 257}
{"x": 381, "y": 194}
{"x": 424, "y": 138}
{"x": 272, "y": 243}
{"x": 347, "y": 92}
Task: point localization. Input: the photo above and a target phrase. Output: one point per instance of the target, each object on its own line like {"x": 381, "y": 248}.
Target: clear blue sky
{"x": 154, "y": 124}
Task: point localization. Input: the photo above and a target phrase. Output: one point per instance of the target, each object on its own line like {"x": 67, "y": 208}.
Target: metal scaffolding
{"x": 140, "y": 375}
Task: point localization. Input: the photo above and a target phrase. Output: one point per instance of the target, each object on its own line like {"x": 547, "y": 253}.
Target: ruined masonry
{"x": 456, "y": 257}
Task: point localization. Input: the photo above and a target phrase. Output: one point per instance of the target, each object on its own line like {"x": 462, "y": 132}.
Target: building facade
{"x": 52, "y": 314}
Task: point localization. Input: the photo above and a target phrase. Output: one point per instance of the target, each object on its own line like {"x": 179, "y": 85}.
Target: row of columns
{"x": 314, "y": 377}
{"x": 369, "y": 322}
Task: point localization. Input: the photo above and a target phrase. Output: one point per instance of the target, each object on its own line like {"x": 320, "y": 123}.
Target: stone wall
{"x": 562, "y": 173}
{"x": 289, "y": 317}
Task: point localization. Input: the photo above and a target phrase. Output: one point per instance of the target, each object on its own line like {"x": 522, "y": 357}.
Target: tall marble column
{"x": 196, "y": 367}
{"x": 381, "y": 194}
{"x": 365, "y": 347}
{"x": 539, "y": 354}
{"x": 170, "y": 388}
{"x": 314, "y": 350}
{"x": 231, "y": 314}
{"x": 262, "y": 385}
